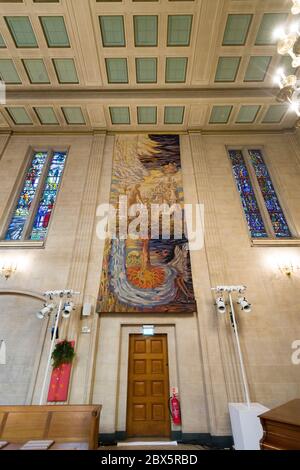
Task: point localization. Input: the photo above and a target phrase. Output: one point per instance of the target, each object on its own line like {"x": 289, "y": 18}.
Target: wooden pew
{"x": 64, "y": 424}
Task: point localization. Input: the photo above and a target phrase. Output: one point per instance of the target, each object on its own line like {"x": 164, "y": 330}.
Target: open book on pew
{"x": 37, "y": 445}
{"x": 3, "y": 444}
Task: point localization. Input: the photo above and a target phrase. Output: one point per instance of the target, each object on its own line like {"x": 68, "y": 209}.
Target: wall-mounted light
{"x": 288, "y": 269}
{"x": 282, "y": 261}
{"x": 8, "y": 270}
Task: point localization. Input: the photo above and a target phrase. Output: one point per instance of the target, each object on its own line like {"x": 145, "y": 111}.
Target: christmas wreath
{"x": 63, "y": 353}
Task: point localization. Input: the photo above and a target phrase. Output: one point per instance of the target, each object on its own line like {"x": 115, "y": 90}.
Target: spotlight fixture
{"x": 67, "y": 310}
{"x": 45, "y": 311}
{"x": 221, "y": 305}
{"x": 245, "y": 306}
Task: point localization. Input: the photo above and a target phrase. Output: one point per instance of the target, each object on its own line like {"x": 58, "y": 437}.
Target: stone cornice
{"x": 127, "y": 95}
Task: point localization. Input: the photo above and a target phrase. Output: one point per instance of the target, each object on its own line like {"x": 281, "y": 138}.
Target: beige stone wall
{"x": 268, "y": 332}
{"x": 22, "y": 332}
{"x": 203, "y": 361}
{"x": 38, "y": 269}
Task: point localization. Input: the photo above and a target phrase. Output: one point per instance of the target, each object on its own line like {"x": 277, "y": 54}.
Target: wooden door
{"x": 148, "y": 387}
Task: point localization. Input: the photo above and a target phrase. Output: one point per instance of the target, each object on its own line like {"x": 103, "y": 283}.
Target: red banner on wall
{"x": 59, "y": 383}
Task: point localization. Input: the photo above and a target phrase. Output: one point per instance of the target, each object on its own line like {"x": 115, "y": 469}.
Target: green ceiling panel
{"x": 257, "y": 68}
{"x": 8, "y": 72}
{"x": 112, "y": 31}
{"x": 269, "y": 23}
{"x": 236, "y": 30}
{"x": 119, "y": 114}
{"x": 176, "y": 68}
{"x": 275, "y": 114}
{"x": 179, "y": 30}
{"x": 46, "y": 115}
{"x": 36, "y": 70}
{"x": 55, "y": 31}
{"x": 2, "y": 43}
{"x": 66, "y": 70}
{"x": 116, "y": 70}
{"x": 220, "y": 114}
{"x": 145, "y": 30}
{"x": 247, "y": 114}
{"x": 73, "y": 115}
{"x": 174, "y": 114}
{"x": 21, "y": 31}
{"x": 146, "y": 70}
{"x": 147, "y": 114}
{"x": 19, "y": 115}
{"x": 227, "y": 69}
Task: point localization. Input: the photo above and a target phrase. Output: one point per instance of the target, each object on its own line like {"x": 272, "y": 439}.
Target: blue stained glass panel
{"x": 253, "y": 216}
{"x": 45, "y": 208}
{"x": 273, "y": 206}
{"x": 22, "y": 210}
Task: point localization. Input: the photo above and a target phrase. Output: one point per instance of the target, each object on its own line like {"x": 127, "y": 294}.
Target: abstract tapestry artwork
{"x": 147, "y": 274}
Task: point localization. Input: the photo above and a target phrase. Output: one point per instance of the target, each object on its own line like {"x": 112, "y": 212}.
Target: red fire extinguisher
{"x": 175, "y": 409}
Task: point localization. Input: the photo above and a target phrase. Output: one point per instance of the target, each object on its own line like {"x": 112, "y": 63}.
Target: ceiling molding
{"x": 126, "y": 96}
{"x": 227, "y": 132}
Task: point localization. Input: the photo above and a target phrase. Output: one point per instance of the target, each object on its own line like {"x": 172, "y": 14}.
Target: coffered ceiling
{"x": 165, "y": 65}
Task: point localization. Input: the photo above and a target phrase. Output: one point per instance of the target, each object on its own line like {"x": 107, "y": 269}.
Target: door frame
{"x": 126, "y": 331}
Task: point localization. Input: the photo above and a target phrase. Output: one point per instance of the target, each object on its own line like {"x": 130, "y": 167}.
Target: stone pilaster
{"x": 80, "y": 263}
{"x": 294, "y": 139}
{"x": 4, "y": 140}
{"x": 222, "y": 346}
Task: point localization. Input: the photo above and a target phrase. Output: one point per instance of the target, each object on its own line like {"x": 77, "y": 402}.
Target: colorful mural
{"x": 148, "y": 274}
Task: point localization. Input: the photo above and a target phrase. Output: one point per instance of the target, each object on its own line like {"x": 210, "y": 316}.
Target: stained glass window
{"x": 43, "y": 215}
{"x": 278, "y": 220}
{"x": 22, "y": 210}
{"x": 35, "y": 203}
{"x": 251, "y": 208}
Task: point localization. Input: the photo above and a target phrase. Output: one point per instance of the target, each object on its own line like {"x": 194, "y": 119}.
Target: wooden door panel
{"x": 156, "y": 347}
{"x": 158, "y": 412}
{"x": 148, "y": 387}
{"x": 157, "y": 367}
{"x": 139, "y": 412}
{"x": 158, "y": 389}
{"x": 140, "y": 347}
{"x": 139, "y": 389}
{"x": 140, "y": 367}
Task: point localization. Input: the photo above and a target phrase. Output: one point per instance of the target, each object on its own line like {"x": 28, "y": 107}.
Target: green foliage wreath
{"x": 63, "y": 353}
